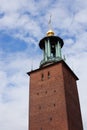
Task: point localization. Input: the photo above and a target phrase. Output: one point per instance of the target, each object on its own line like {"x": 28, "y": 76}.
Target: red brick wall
{"x": 48, "y": 110}
{"x": 72, "y": 101}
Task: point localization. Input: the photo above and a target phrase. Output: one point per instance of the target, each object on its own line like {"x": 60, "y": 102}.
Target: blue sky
{"x": 22, "y": 24}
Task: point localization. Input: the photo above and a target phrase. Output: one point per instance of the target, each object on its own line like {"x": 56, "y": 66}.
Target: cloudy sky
{"x": 22, "y": 24}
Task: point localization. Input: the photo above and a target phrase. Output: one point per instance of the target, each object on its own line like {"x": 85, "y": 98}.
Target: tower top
{"x": 51, "y": 46}
{"x": 50, "y": 31}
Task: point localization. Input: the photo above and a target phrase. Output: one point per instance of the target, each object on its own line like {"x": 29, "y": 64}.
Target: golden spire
{"x": 50, "y": 31}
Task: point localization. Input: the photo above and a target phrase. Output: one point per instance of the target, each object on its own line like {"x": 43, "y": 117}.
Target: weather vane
{"x": 49, "y": 23}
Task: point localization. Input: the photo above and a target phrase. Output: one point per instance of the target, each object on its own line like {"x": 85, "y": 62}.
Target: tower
{"x": 54, "y": 102}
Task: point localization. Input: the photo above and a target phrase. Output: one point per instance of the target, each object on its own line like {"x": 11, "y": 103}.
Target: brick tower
{"x": 53, "y": 102}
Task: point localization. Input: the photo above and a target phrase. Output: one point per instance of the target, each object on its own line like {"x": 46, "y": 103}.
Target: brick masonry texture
{"x": 72, "y": 101}
{"x": 53, "y": 102}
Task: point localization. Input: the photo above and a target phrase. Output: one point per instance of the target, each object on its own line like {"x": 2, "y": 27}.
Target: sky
{"x": 23, "y": 23}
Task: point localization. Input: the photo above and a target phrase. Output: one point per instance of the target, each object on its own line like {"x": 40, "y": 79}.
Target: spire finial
{"x": 50, "y": 31}
{"x": 49, "y": 23}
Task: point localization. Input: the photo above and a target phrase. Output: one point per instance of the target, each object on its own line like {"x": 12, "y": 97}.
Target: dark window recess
{"x": 39, "y": 107}
{"x": 48, "y": 74}
{"x": 54, "y": 104}
{"x": 54, "y": 91}
{"x": 46, "y": 92}
{"x": 40, "y": 128}
{"x": 50, "y": 118}
{"x": 42, "y": 77}
{"x": 37, "y": 93}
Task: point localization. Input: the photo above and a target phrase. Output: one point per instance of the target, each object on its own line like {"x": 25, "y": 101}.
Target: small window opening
{"x": 48, "y": 74}
{"x": 54, "y": 91}
{"x": 40, "y": 128}
{"x": 37, "y": 93}
{"x": 54, "y": 104}
{"x": 46, "y": 92}
{"x": 42, "y": 77}
{"x": 39, "y": 107}
{"x": 50, "y": 118}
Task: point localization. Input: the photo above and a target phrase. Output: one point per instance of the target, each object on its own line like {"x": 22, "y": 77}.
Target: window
{"x": 54, "y": 104}
{"x": 39, "y": 107}
{"x": 48, "y": 74}
{"x": 50, "y": 118}
{"x": 46, "y": 92}
{"x": 42, "y": 77}
{"x": 37, "y": 93}
{"x": 54, "y": 91}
